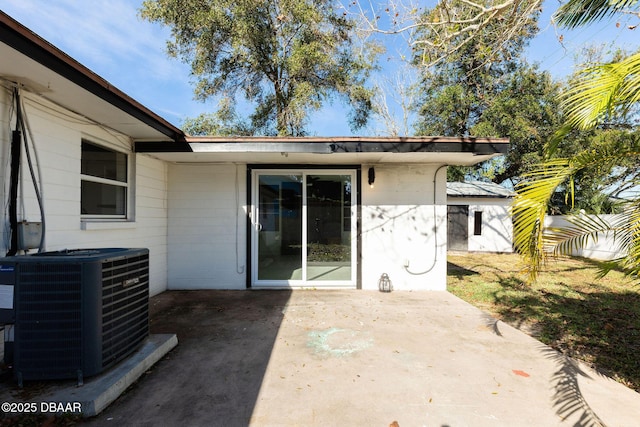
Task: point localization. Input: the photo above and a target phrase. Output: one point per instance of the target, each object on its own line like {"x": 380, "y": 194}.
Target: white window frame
{"x": 99, "y": 180}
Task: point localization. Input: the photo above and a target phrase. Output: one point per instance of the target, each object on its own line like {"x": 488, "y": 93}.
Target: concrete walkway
{"x": 357, "y": 358}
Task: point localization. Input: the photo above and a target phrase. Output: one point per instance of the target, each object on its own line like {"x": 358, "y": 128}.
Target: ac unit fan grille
{"x": 125, "y": 306}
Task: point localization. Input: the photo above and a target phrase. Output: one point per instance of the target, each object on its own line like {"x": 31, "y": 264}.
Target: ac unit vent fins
{"x": 77, "y": 312}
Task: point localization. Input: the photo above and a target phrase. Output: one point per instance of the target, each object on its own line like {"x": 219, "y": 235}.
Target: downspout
{"x": 435, "y": 226}
{"x": 13, "y": 191}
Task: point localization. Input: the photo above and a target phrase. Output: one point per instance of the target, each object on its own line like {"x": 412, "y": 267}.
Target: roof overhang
{"x": 35, "y": 65}
{"x": 328, "y": 150}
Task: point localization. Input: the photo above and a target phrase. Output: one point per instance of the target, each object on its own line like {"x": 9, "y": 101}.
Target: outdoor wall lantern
{"x": 372, "y": 176}
{"x": 384, "y": 284}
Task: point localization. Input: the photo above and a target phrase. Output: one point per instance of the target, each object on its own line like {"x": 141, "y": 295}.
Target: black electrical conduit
{"x": 14, "y": 178}
{"x": 16, "y": 140}
{"x": 435, "y": 228}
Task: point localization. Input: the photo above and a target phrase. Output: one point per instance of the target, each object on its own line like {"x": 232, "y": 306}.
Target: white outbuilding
{"x": 478, "y": 218}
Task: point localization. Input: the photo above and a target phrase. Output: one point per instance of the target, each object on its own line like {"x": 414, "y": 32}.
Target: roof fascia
{"x": 331, "y": 145}
{"x": 479, "y": 196}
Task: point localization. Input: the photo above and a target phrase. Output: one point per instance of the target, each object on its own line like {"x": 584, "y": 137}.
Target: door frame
{"x": 252, "y": 192}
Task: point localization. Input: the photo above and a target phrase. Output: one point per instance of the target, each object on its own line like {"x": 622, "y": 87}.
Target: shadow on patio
{"x": 225, "y": 342}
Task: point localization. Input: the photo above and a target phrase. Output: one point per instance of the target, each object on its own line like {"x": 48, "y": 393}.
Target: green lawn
{"x": 594, "y": 320}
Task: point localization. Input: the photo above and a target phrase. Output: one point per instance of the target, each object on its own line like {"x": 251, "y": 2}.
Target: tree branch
{"x": 448, "y": 21}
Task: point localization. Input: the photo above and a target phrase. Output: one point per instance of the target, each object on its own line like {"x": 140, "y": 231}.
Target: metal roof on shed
{"x": 478, "y": 189}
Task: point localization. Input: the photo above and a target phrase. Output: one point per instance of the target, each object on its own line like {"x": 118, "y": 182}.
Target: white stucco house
{"x": 478, "y": 218}
{"x": 215, "y": 213}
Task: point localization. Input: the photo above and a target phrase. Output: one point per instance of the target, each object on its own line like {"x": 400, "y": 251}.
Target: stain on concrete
{"x": 337, "y": 342}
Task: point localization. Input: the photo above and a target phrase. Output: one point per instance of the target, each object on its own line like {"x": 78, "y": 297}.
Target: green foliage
{"x": 525, "y": 109}
{"x": 286, "y": 57}
{"x": 591, "y": 188}
{"x": 223, "y": 122}
{"x": 603, "y": 92}
{"x": 534, "y": 194}
{"x": 479, "y": 91}
{"x": 597, "y": 97}
{"x": 576, "y": 13}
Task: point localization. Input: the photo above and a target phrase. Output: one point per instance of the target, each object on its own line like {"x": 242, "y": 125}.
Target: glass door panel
{"x": 304, "y": 228}
{"x": 279, "y": 227}
{"x": 328, "y": 202}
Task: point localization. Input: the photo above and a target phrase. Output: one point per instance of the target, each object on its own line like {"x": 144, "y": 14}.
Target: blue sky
{"x": 108, "y": 37}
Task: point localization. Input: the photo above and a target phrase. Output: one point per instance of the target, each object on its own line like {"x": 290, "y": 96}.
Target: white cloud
{"x": 109, "y": 38}
{"x": 100, "y": 33}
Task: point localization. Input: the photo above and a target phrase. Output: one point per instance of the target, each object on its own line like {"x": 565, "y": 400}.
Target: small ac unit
{"x": 77, "y": 312}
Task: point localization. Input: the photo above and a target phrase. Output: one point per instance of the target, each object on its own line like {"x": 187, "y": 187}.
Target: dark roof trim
{"x": 35, "y": 47}
{"x": 162, "y": 147}
{"x": 480, "y": 196}
{"x": 419, "y": 147}
{"x": 334, "y": 145}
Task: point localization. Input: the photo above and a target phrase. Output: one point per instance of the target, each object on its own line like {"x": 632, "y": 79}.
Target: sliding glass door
{"x": 278, "y": 228}
{"x": 303, "y": 228}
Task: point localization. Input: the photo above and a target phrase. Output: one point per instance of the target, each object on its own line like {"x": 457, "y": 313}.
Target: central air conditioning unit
{"x": 76, "y": 312}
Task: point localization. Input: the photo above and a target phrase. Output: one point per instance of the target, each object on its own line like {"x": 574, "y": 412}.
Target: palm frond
{"x": 630, "y": 90}
{"x": 576, "y": 13}
{"x": 583, "y": 230}
{"x": 627, "y": 229}
{"x": 598, "y": 91}
{"x": 554, "y": 142}
{"x": 529, "y": 210}
{"x": 595, "y": 93}
{"x": 534, "y": 192}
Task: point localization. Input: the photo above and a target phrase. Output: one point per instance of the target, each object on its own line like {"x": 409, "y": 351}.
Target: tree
{"x": 478, "y": 91}
{"x": 457, "y": 90}
{"x": 223, "y": 122}
{"x": 450, "y": 25}
{"x": 598, "y": 95}
{"x": 286, "y": 57}
{"x": 526, "y": 110}
{"x": 394, "y": 101}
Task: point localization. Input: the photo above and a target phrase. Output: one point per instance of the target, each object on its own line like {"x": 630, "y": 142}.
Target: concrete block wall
{"x": 497, "y": 229}
{"x": 207, "y": 226}
{"x": 58, "y": 134}
{"x": 403, "y": 232}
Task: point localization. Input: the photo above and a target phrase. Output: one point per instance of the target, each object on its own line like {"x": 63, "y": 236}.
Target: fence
{"x": 603, "y": 248}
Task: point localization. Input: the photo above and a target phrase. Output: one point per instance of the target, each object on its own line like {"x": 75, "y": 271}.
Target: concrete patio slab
{"x": 357, "y": 358}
